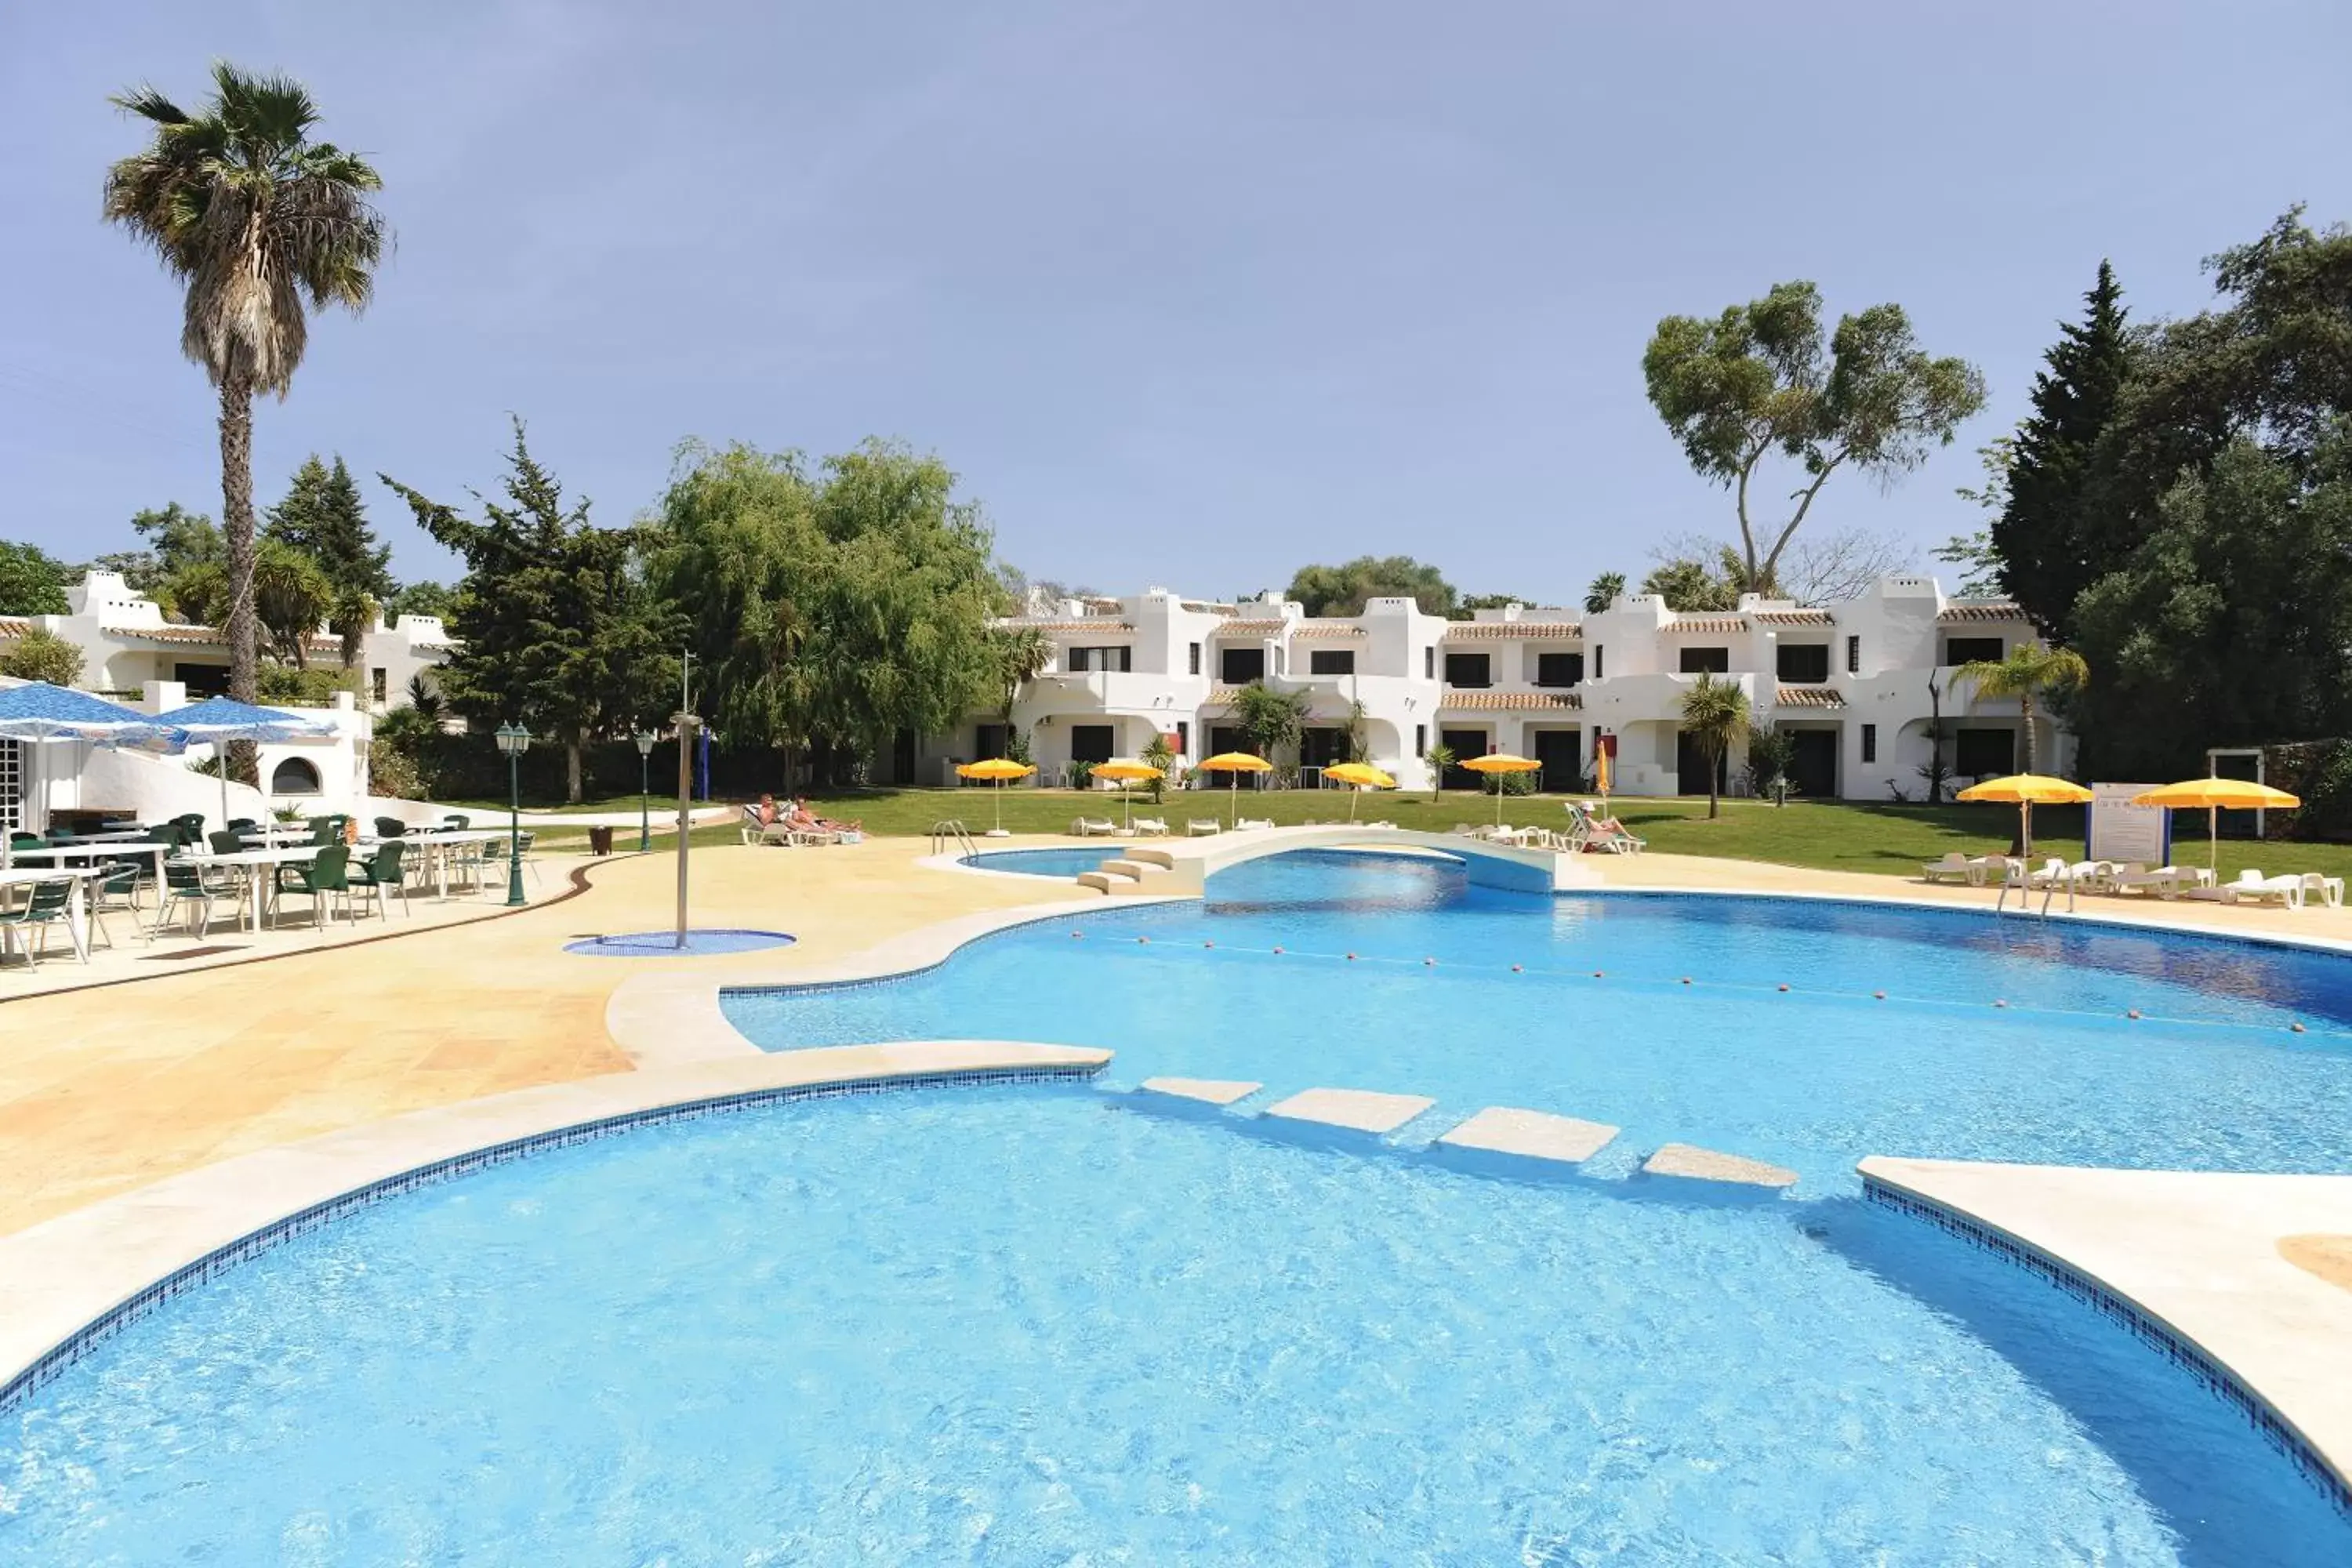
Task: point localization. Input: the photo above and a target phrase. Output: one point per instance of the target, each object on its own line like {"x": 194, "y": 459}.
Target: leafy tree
{"x": 324, "y": 517}
{"x": 1273, "y": 720}
{"x": 556, "y": 629}
{"x": 42, "y": 656}
{"x": 32, "y": 581}
{"x": 1973, "y": 553}
{"x": 1693, "y": 585}
{"x": 420, "y": 599}
{"x": 1439, "y": 757}
{"x": 424, "y": 698}
{"x": 1464, "y": 606}
{"x": 1344, "y": 589}
{"x": 291, "y": 594}
{"x": 2030, "y": 672}
{"x": 1714, "y": 714}
{"x": 1772, "y": 753}
{"x": 1830, "y": 569}
{"x": 2048, "y": 545}
{"x": 1603, "y": 592}
{"x": 252, "y": 217}
{"x": 1758, "y": 379}
{"x": 174, "y": 540}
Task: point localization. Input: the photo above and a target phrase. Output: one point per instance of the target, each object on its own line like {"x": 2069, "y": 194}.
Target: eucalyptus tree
{"x": 261, "y": 225}
{"x": 1761, "y": 380}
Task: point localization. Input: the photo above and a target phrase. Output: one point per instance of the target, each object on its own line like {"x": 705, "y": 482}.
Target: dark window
{"x": 1804, "y": 663}
{"x": 1224, "y": 738}
{"x": 1240, "y": 666}
{"x": 1077, "y": 659}
{"x": 1870, "y": 742}
{"x": 1854, "y": 656}
{"x": 1597, "y": 651}
{"x": 1466, "y": 670}
{"x": 1429, "y": 664}
{"x": 1421, "y": 740}
{"x": 1331, "y": 661}
{"x": 1193, "y": 661}
{"x": 1464, "y": 744}
{"x": 1968, "y": 650}
{"x": 377, "y": 685}
{"x": 1561, "y": 752}
{"x": 1184, "y": 729}
{"x": 1706, "y": 661}
{"x": 203, "y": 680}
{"x": 1984, "y": 754}
{"x": 1319, "y": 748}
{"x": 988, "y": 740}
{"x": 1090, "y": 742}
{"x": 1560, "y": 669}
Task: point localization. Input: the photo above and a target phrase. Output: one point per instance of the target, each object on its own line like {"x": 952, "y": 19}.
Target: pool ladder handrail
{"x": 950, "y": 830}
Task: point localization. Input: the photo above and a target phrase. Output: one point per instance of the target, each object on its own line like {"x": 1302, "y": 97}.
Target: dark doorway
{"x": 1224, "y": 738}
{"x": 1464, "y": 744}
{"x": 1240, "y": 666}
{"x": 1813, "y": 762}
{"x": 902, "y": 757}
{"x": 203, "y": 680}
{"x": 1561, "y": 752}
{"x": 1984, "y": 754}
{"x": 1090, "y": 742}
{"x": 990, "y": 742}
{"x": 1322, "y": 748}
{"x": 1690, "y": 767}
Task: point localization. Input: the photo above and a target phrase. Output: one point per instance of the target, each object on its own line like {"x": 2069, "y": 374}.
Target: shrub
{"x": 42, "y": 656}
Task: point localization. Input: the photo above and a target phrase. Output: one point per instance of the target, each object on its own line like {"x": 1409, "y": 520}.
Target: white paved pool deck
{"x": 113, "y": 1094}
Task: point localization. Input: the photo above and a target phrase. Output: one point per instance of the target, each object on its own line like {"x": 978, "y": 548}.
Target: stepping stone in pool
{"x": 1216, "y": 1091}
{"x": 1534, "y": 1141}
{"x": 1350, "y": 1110}
{"x": 1725, "y": 1172}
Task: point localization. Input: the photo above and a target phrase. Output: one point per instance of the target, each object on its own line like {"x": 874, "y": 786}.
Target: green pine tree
{"x": 2045, "y": 542}
{"x": 324, "y": 517}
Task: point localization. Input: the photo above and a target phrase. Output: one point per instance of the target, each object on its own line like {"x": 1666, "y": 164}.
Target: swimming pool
{"x": 1064, "y": 863}
{"x": 2211, "y": 1077}
{"x": 1031, "y": 1326}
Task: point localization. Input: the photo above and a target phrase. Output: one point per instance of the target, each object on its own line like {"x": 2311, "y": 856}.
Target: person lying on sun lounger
{"x": 803, "y": 818}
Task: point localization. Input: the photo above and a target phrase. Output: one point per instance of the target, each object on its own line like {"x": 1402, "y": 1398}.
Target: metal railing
{"x": 951, "y": 831}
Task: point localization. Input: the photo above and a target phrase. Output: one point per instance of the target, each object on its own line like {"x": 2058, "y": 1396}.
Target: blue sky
{"x": 1188, "y": 294}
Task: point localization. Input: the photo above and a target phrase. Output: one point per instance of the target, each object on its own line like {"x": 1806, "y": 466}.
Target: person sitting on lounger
{"x": 803, "y": 818}
{"x": 767, "y": 810}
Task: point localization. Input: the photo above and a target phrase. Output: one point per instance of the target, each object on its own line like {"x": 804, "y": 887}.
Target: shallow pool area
{"x": 1034, "y": 1325}
{"x": 1064, "y": 862}
{"x": 1996, "y": 1039}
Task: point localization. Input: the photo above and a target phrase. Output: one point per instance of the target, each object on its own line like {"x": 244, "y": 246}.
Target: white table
{"x": 276, "y": 836}
{"x": 256, "y": 863}
{"x": 77, "y": 903}
{"x": 435, "y": 847}
{"x": 108, "y": 836}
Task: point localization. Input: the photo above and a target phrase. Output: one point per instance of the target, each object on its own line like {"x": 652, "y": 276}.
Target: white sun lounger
{"x": 2329, "y": 890}
{"x": 1092, "y": 827}
{"x": 1152, "y": 825}
{"x": 1200, "y": 827}
{"x": 2252, "y": 888}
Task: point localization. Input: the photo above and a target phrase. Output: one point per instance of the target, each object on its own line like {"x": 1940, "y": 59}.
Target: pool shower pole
{"x": 687, "y": 723}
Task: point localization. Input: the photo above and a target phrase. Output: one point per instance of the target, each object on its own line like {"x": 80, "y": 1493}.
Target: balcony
{"x": 1110, "y": 691}
{"x": 1639, "y": 698}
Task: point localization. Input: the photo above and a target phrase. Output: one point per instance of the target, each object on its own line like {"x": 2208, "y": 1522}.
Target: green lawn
{"x": 608, "y": 802}
{"x": 1888, "y": 839}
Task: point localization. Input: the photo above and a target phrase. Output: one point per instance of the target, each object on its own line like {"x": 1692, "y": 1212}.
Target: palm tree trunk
{"x": 1713, "y": 774}
{"x": 237, "y": 529}
{"x": 2025, "y": 707}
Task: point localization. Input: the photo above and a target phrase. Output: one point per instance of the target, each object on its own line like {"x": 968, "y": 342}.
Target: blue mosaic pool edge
{"x": 219, "y": 1261}
{"x": 2216, "y": 1378}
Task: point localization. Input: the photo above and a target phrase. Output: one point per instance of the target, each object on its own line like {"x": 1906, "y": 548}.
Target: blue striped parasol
{"x": 38, "y": 712}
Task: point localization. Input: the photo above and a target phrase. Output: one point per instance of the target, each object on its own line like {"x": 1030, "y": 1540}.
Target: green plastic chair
{"x": 118, "y": 878}
{"x": 19, "y": 839}
{"x": 184, "y": 883}
{"x": 46, "y": 908}
{"x": 329, "y": 873}
{"x": 191, "y": 825}
{"x": 227, "y": 841}
{"x": 383, "y": 872}
{"x": 390, "y": 827}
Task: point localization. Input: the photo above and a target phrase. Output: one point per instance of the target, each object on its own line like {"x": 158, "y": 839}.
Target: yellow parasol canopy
{"x": 2027, "y": 791}
{"x": 2219, "y": 795}
{"x": 1126, "y": 769}
{"x": 1500, "y": 763}
{"x": 998, "y": 769}
{"x": 1234, "y": 765}
{"x": 1355, "y": 775}
{"x": 2215, "y": 796}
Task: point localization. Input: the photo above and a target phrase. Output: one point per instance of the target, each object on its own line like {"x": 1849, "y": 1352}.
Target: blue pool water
{"x": 1815, "y": 1078}
{"x": 1028, "y": 1326}
{"x": 1062, "y": 863}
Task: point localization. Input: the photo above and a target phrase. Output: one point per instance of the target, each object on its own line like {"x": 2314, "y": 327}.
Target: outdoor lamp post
{"x": 514, "y": 741}
{"x": 645, "y": 740}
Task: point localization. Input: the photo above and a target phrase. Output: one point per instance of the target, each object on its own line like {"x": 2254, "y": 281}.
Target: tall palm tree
{"x": 2029, "y": 671}
{"x": 251, "y": 216}
{"x": 1714, "y": 713}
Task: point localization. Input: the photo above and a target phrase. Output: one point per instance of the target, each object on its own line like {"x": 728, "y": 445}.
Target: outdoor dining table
{"x": 277, "y": 835}
{"x": 104, "y": 836}
{"x": 92, "y": 853}
{"x": 76, "y": 902}
{"x": 256, "y": 864}
{"x": 435, "y": 847}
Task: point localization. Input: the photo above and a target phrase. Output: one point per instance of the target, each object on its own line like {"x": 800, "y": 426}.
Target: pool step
{"x": 1536, "y": 1138}
{"x": 1350, "y": 1110}
{"x": 1218, "y": 1091}
{"x": 1687, "y": 1163}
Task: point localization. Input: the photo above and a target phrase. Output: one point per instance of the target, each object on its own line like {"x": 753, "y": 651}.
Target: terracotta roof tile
{"x": 1809, "y": 697}
{"x": 1497, "y": 631}
{"x": 1794, "y": 617}
{"x": 1057, "y": 627}
{"x": 1507, "y": 701}
{"x": 1241, "y": 628}
{"x": 1708, "y": 624}
{"x": 1328, "y": 628}
{"x": 1963, "y": 614}
{"x": 11, "y": 626}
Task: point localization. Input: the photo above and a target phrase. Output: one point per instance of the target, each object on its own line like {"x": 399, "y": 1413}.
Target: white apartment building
{"x": 1851, "y": 681}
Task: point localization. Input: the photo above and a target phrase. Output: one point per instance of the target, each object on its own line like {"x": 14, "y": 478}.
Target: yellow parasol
{"x": 1125, "y": 769}
{"x": 997, "y": 769}
{"x": 1236, "y": 763}
{"x": 2215, "y": 795}
{"x": 1500, "y": 763}
{"x": 1600, "y": 770}
{"x": 1357, "y": 776}
{"x": 2026, "y": 791}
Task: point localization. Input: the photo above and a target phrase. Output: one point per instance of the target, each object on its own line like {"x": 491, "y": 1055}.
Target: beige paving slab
{"x": 1531, "y": 1135}
{"x": 2197, "y": 1252}
{"x": 1207, "y": 1090}
{"x": 1351, "y": 1110}
{"x": 1689, "y": 1162}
